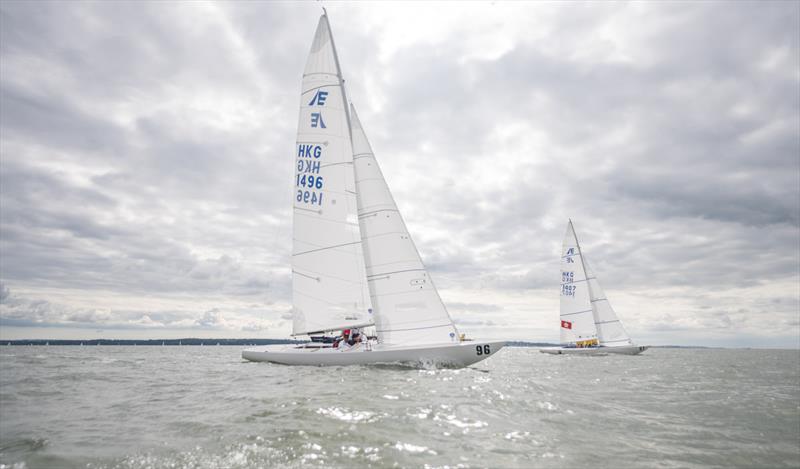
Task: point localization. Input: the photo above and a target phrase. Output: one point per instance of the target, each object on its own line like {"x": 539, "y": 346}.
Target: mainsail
{"x": 408, "y": 309}
{"x": 577, "y": 319}
{"x": 329, "y": 284}
{"x": 586, "y": 314}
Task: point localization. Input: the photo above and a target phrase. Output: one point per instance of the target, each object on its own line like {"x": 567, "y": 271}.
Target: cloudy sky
{"x": 147, "y": 161}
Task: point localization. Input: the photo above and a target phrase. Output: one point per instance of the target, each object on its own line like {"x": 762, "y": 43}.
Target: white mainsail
{"x": 586, "y": 313}
{"x": 408, "y": 309}
{"x": 329, "y": 283}
{"x": 577, "y": 318}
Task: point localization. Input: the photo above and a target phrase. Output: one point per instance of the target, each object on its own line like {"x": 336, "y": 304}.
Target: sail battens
{"x": 606, "y": 322}
{"x": 305, "y": 275}
{"x": 577, "y": 281}
{"x": 599, "y": 299}
{"x": 302, "y": 209}
{"x": 395, "y": 272}
{"x": 375, "y": 212}
{"x": 326, "y": 247}
{"x": 328, "y": 165}
{"x": 576, "y": 312}
{"x": 407, "y": 261}
{"x": 317, "y": 88}
{"x": 322, "y": 276}
{"x": 372, "y": 179}
{"x": 391, "y": 233}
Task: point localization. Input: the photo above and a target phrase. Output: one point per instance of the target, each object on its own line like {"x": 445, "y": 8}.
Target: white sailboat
{"x": 589, "y": 325}
{"x": 354, "y": 263}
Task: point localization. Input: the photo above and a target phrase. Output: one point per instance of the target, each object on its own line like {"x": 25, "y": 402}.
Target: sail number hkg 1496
{"x": 308, "y": 180}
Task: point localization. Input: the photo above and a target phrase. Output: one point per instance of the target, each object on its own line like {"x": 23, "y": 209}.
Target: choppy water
{"x": 204, "y": 407}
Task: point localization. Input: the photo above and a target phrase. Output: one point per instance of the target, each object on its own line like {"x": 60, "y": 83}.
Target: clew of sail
{"x": 329, "y": 284}
{"x": 609, "y": 328}
{"x": 577, "y": 318}
{"x": 408, "y": 309}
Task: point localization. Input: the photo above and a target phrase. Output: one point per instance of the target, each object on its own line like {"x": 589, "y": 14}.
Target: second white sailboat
{"x": 589, "y": 325}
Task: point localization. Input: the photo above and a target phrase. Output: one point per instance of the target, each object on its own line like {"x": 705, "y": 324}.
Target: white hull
{"x": 596, "y": 351}
{"x": 456, "y": 355}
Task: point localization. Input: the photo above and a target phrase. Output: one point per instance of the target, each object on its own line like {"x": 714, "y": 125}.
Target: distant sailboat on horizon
{"x": 589, "y": 325}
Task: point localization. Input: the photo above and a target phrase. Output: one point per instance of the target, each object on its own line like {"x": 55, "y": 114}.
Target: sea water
{"x": 195, "y": 407}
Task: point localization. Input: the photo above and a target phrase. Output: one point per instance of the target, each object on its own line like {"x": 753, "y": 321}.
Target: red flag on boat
{"x": 566, "y": 324}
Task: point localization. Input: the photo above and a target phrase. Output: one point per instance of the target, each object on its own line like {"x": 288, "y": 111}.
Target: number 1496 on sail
{"x": 309, "y": 197}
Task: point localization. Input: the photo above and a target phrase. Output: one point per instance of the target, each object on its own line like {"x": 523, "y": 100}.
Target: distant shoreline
{"x": 239, "y": 342}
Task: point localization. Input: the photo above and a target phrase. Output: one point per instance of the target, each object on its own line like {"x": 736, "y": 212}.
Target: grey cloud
{"x": 687, "y": 156}
{"x": 144, "y": 151}
{"x": 474, "y": 307}
{"x": 22, "y": 311}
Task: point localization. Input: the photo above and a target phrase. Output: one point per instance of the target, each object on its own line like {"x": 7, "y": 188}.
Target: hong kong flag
{"x": 566, "y": 324}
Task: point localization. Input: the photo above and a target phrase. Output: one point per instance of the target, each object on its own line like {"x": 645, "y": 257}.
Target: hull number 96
{"x": 482, "y": 349}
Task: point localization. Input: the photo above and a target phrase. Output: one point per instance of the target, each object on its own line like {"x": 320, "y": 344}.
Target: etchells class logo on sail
{"x": 319, "y": 98}
{"x": 308, "y": 180}
{"x": 568, "y": 257}
{"x": 316, "y": 117}
{"x": 566, "y": 324}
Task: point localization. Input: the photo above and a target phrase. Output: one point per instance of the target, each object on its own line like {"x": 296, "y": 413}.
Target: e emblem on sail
{"x": 354, "y": 264}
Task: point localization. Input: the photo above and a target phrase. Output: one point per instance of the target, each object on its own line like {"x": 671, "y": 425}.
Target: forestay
{"x": 577, "y": 319}
{"x": 328, "y": 273}
{"x": 408, "y": 309}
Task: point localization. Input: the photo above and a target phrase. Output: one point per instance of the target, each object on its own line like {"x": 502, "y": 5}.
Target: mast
{"x": 588, "y": 283}
{"x": 346, "y": 105}
{"x": 339, "y": 74}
